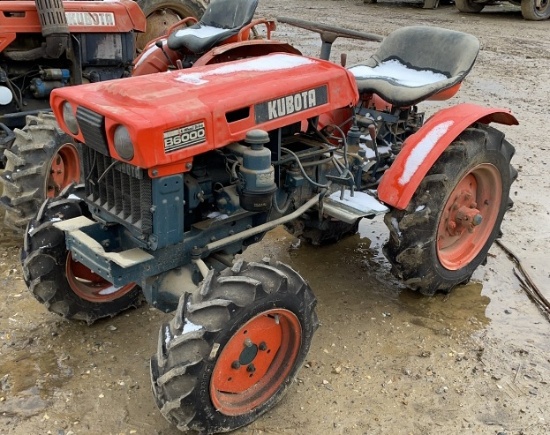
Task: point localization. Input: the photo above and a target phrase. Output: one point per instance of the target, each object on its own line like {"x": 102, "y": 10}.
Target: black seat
{"x": 414, "y": 63}
{"x": 221, "y": 20}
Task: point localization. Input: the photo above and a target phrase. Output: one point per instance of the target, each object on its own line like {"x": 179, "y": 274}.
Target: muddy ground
{"x": 385, "y": 360}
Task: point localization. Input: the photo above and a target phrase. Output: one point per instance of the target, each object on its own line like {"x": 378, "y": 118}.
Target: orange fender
{"x": 422, "y": 149}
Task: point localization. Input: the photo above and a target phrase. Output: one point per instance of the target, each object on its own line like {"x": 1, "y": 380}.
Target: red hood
{"x": 230, "y": 98}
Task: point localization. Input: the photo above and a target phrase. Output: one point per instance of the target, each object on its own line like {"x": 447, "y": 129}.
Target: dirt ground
{"x": 385, "y": 360}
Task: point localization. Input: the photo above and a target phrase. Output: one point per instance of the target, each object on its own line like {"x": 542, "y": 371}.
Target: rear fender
{"x": 152, "y": 59}
{"x": 422, "y": 149}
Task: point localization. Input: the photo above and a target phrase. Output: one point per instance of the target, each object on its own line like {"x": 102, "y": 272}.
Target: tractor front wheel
{"x": 55, "y": 279}
{"x": 234, "y": 347}
{"x": 41, "y": 163}
{"x": 454, "y": 217}
{"x": 535, "y": 10}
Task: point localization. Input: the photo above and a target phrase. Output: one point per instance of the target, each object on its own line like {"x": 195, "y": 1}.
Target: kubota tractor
{"x": 184, "y": 169}
{"x": 47, "y": 44}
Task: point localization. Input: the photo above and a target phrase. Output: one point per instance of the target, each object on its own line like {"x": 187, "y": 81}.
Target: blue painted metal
{"x": 168, "y": 201}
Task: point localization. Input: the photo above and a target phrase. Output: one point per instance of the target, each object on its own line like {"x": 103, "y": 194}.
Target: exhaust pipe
{"x": 54, "y": 26}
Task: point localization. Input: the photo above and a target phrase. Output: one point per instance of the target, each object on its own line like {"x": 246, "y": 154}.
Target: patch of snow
{"x": 422, "y": 149}
{"x": 190, "y": 327}
{"x": 402, "y": 74}
{"x": 420, "y": 208}
{"x": 73, "y": 196}
{"x": 395, "y": 225}
{"x": 167, "y": 337}
{"x": 360, "y": 201}
{"x": 369, "y": 152}
{"x": 200, "y": 32}
{"x": 217, "y": 215}
{"x": 276, "y": 62}
{"x": 109, "y": 290}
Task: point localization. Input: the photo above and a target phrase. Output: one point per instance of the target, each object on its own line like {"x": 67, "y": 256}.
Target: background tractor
{"x": 45, "y": 45}
{"x": 535, "y": 10}
{"x": 182, "y": 173}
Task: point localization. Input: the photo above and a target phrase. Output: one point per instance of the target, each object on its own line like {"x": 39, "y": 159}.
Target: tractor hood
{"x": 176, "y": 115}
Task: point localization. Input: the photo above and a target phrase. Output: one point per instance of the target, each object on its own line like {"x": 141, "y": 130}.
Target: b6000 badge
{"x": 184, "y": 136}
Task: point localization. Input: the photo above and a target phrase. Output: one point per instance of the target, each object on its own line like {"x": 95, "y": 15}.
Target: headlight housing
{"x": 123, "y": 143}
{"x": 69, "y": 119}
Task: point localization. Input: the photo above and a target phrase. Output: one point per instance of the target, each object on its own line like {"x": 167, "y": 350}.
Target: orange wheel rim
{"x": 469, "y": 216}
{"x": 158, "y": 23}
{"x": 255, "y": 362}
{"x": 64, "y": 170}
{"x": 90, "y": 286}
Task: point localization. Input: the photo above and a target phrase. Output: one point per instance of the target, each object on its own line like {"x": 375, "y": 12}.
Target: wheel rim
{"x": 158, "y": 23}
{"x": 64, "y": 170}
{"x": 90, "y": 286}
{"x": 469, "y": 216}
{"x": 543, "y": 9}
{"x": 255, "y": 362}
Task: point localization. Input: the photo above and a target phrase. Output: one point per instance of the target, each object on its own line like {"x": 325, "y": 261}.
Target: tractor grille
{"x": 118, "y": 188}
{"x": 92, "y": 126}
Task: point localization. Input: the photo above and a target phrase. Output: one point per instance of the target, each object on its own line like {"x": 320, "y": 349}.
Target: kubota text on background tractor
{"x": 184, "y": 169}
{"x": 47, "y": 44}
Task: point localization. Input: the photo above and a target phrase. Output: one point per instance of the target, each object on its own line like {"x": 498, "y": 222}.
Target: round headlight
{"x": 123, "y": 143}
{"x": 69, "y": 119}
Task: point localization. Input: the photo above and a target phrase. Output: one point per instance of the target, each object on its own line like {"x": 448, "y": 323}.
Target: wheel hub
{"x": 255, "y": 361}
{"x": 463, "y": 215}
{"x": 469, "y": 216}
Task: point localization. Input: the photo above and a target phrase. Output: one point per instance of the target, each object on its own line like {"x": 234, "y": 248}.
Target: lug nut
{"x": 248, "y": 342}
{"x": 251, "y": 368}
{"x": 235, "y": 365}
{"x": 262, "y": 346}
{"x": 477, "y": 219}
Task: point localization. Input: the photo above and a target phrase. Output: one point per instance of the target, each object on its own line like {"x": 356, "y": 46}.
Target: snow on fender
{"x": 422, "y": 149}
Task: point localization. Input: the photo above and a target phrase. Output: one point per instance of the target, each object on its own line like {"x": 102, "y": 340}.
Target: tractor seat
{"x": 415, "y": 63}
{"x": 221, "y": 20}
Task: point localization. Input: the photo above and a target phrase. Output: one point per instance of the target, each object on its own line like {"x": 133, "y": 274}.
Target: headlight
{"x": 69, "y": 119}
{"x": 123, "y": 144}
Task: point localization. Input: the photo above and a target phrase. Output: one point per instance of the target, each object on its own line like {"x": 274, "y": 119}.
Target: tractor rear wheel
{"x": 234, "y": 347}
{"x": 454, "y": 217}
{"x": 469, "y": 6}
{"x": 530, "y": 10}
{"x": 163, "y": 14}
{"x": 41, "y": 163}
{"x": 63, "y": 285}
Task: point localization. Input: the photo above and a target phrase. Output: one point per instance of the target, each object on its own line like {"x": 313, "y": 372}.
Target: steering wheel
{"x": 330, "y": 33}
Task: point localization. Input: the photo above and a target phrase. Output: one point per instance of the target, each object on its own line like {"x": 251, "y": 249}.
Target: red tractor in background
{"x": 47, "y": 44}
{"x": 182, "y": 173}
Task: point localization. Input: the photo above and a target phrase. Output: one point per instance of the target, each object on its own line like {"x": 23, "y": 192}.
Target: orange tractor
{"x": 47, "y": 44}
{"x": 186, "y": 168}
